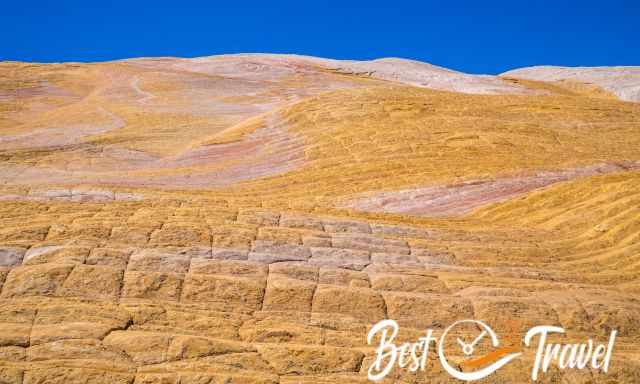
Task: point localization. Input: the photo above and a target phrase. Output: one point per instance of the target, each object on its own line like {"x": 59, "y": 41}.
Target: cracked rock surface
{"x": 248, "y": 218}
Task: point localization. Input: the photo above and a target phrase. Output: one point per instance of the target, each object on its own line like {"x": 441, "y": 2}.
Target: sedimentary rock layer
{"x": 167, "y": 220}
{"x": 624, "y": 82}
{"x": 462, "y": 198}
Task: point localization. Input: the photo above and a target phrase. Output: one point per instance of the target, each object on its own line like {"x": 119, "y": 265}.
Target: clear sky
{"x": 471, "y": 36}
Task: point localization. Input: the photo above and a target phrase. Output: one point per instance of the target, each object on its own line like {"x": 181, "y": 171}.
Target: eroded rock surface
{"x": 462, "y": 198}
{"x": 168, "y": 220}
{"x": 272, "y": 309}
{"x": 624, "y": 82}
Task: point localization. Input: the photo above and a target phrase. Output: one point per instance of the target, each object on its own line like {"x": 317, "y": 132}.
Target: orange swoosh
{"x": 489, "y": 357}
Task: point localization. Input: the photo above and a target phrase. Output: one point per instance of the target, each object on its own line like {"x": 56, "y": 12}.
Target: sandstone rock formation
{"x": 624, "y": 82}
{"x": 248, "y": 218}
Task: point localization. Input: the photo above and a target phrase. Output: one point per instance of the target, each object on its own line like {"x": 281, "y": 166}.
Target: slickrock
{"x": 74, "y": 195}
{"x": 239, "y": 293}
{"x": 340, "y": 257}
{"x": 339, "y": 276}
{"x": 248, "y": 218}
{"x": 296, "y": 270}
{"x": 112, "y": 257}
{"x": 55, "y": 253}
{"x": 66, "y": 321}
{"x": 152, "y": 260}
{"x": 361, "y": 303}
{"x": 332, "y": 226}
{"x": 286, "y": 294}
{"x": 306, "y": 222}
{"x": 43, "y": 279}
{"x": 422, "y": 311}
{"x": 93, "y": 281}
{"x": 624, "y": 82}
{"x": 390, "y": 258}
{"x": 429, "y": 76}
{"x": 270, "y": 252}
{"x": 458, "y": 199}
{"x": 407, "y": 283}
{"x": 229, "y": 254}
{"x": 11, "y": 256}
{"x": 152, "y": 285}
{"x": 228, "y": 267}
{"x": 301, "y": 360}
{"x": 370, "y": 243}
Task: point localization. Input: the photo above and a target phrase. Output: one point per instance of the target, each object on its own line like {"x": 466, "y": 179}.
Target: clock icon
{"x": 469, "y": 348}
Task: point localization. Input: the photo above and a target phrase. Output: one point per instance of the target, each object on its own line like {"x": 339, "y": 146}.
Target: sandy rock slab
{"x": 178, "y": 221}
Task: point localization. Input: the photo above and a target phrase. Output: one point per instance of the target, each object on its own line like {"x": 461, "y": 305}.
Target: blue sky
{"x": 471, "y": 36}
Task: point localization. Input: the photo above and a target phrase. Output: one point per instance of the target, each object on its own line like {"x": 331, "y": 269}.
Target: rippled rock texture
{"x": 248, "y": 218}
